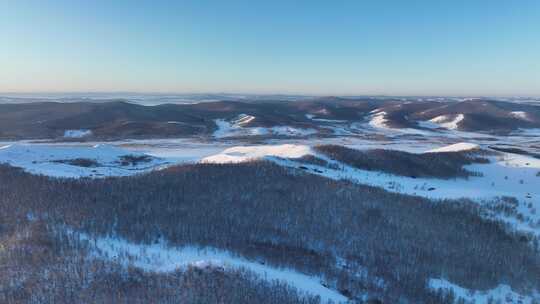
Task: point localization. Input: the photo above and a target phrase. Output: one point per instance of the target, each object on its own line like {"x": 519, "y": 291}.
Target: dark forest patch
{"x": 79, "y": 162}
{"x": 436, "y": 165}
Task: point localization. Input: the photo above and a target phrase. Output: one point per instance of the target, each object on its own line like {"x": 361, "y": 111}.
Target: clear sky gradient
{"x": 313, "y": 47}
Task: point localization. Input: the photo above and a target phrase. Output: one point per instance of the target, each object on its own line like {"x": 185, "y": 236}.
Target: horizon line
{"x": 7, "y": 93}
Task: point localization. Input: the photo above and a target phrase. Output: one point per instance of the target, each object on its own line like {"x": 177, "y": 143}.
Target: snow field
{"x": 53, "y": 160}
{"x": 237, "y": 128}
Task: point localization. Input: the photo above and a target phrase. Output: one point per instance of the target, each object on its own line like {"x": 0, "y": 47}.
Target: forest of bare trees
{"x": 437, "y": 165}
{"x": 360, "y": 240}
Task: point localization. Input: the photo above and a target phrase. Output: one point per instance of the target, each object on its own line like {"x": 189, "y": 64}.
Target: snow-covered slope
{"x": 77, "y": 133}
{"x": 238, "y": 128}
{"x": 60, "y": 161}
{"x": 448, "y": 121}
{"x": 500, "y": 294}
{"x": 456, "y": 148}
{"x": 243, "y": 119}
{"x": 227, "y": 129}
{"x": 520, "y": 115}
{"x": 162, "y": 258}
{"x": 379, "y": 123}
{"x": 378, "y": 120}
{"x": 246, "y": 153}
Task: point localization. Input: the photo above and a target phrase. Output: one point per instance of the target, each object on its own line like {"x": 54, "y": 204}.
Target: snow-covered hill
{"x": 507, "y": 175}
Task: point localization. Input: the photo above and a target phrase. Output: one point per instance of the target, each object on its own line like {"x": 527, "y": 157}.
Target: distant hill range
{"x": 116, "y": 119}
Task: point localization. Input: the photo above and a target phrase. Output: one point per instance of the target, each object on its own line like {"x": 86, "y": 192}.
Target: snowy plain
{"x": 57, "y": 160}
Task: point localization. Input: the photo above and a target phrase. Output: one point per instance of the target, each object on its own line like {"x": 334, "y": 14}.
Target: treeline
{"x": 437, "y": 165}
{"x": 359, "y": 239}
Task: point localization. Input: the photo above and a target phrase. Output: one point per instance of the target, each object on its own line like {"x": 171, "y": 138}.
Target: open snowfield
{"x": 76, "y": 161}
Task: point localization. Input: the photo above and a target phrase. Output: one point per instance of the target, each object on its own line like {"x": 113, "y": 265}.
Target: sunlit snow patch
{"x": 246, "y": 153}
{"x": 520, "y": 115}
{"x": 243, "y": 119}
{"x": 456, "y": 148}
{"x": 77, "y": 133}
{"x": 448, "y": 121}
{"x": 378, "y": 120}
{"x": 238, "y": 128}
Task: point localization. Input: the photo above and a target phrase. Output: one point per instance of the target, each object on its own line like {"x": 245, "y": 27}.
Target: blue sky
{"x": 312, "y": 47}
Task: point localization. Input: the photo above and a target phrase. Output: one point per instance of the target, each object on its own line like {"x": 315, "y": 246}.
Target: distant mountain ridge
{"x": 113, "y": 119}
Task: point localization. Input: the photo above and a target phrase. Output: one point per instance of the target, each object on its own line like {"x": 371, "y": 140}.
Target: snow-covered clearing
{"x": 228, "y": 129}
{"x": 54, "y": 160}
{"x": 238, "y": 128}
{"x": 455, "y": 148}
{"x": 500, "y": 294}
{"x": 162, "y": 258}
{"x": 182, "y": 155}
{"x": 378, "y": 120}
{"x": 447, "y": 121}
{"x": 378, "y": 123}
{"x": 243, "y": 119}
{"x": 520, "y": 115}
{"x": 247, "y": 153}
{"x": 77, "y": 133}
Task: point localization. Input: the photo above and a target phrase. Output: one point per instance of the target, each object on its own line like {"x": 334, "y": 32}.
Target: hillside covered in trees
{"x": 363, "y": 242}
